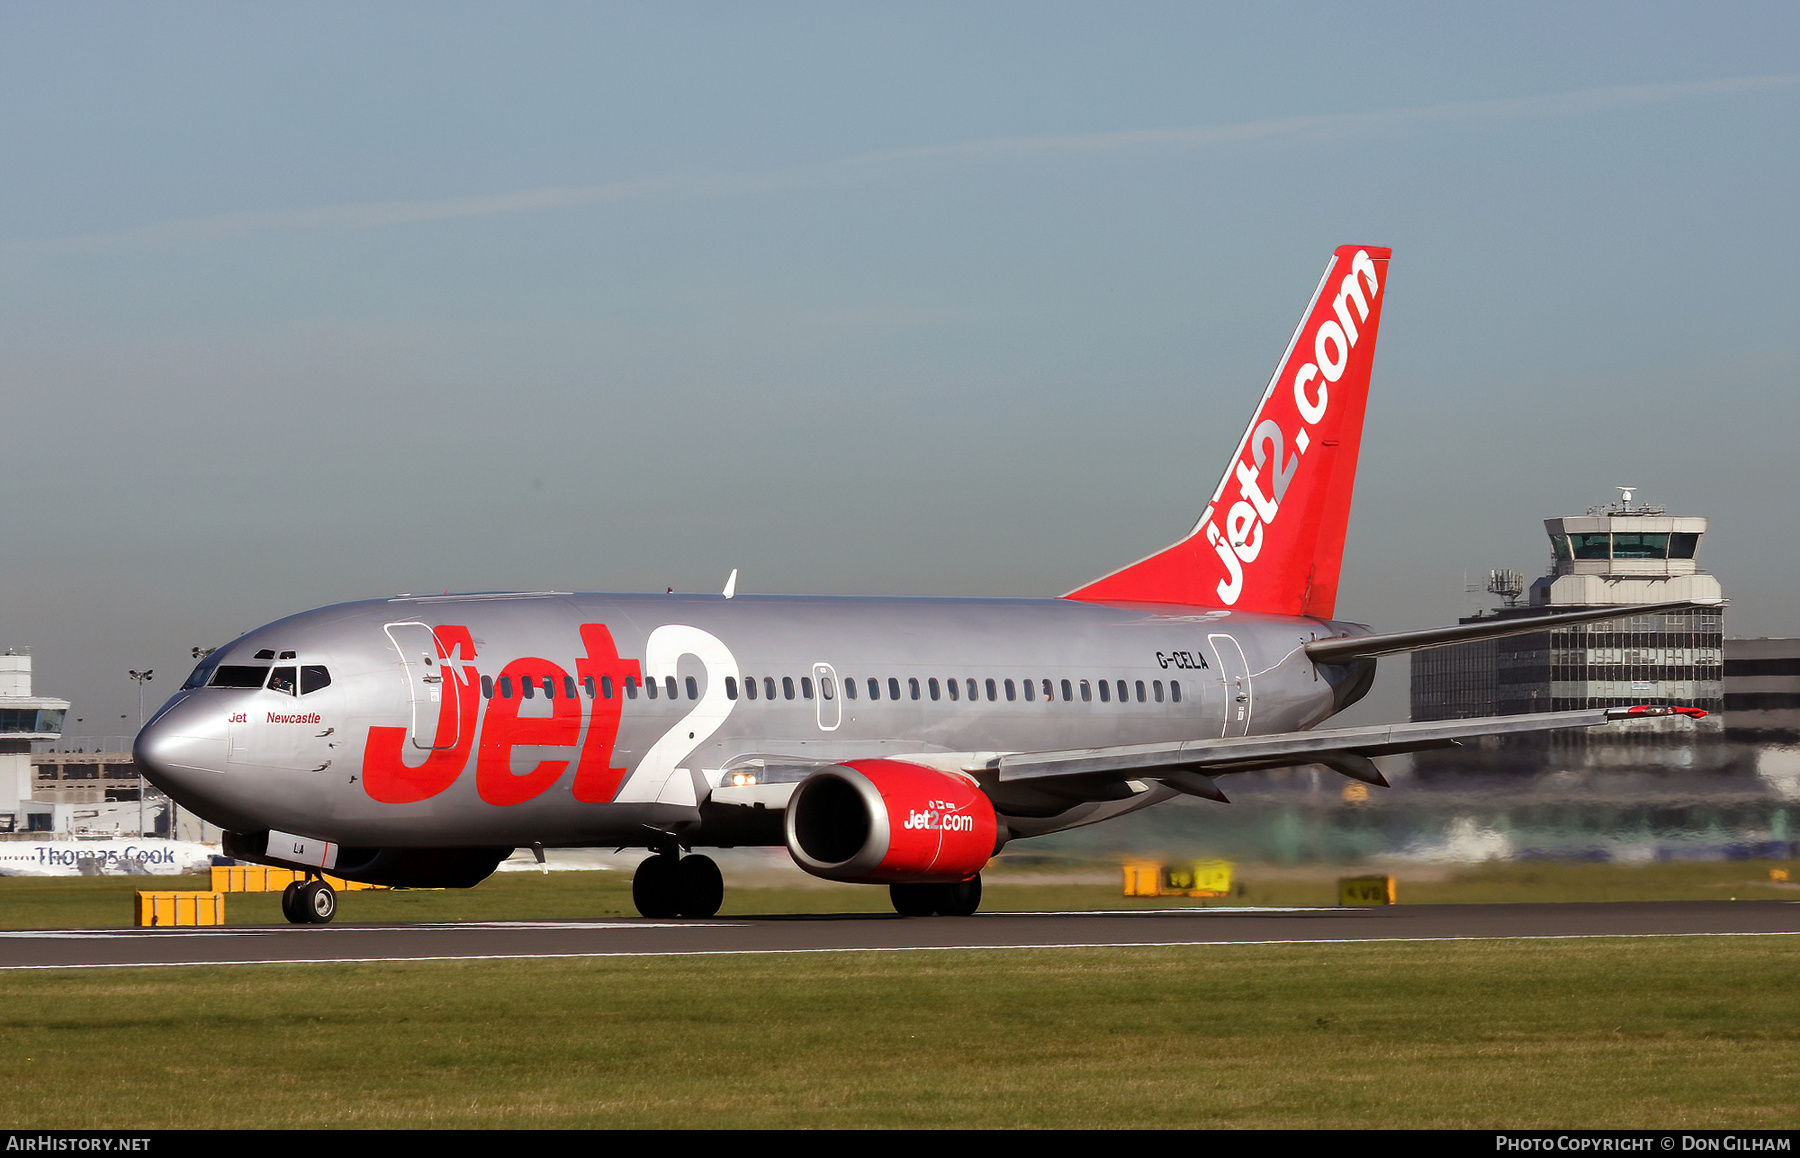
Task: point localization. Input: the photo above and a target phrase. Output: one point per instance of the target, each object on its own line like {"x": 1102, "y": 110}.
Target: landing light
{"x": 743, "y": 779}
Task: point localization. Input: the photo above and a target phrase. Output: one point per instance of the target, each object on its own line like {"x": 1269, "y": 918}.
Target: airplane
{"x": 420, "y": 740}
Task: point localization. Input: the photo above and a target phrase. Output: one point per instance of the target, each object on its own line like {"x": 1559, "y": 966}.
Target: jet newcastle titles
{"x": 420, "y": 740}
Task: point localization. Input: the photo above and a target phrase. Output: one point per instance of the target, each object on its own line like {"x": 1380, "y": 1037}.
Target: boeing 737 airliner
{"x": 420, "y": 740}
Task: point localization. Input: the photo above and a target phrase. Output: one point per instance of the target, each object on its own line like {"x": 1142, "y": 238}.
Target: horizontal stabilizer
{"x": 1346, "y": 648}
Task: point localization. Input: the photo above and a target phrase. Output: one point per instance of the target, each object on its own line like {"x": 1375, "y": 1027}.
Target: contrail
{"x": 864, "y": 167}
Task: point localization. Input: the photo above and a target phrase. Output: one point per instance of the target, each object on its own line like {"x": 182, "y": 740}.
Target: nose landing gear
{"x": 311, "y": 902}
{"x": 670, "y": 885}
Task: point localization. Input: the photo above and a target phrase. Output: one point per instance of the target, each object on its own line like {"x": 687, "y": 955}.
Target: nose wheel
{"x": 667, "y": 886}
{"x": 309, "y": 903}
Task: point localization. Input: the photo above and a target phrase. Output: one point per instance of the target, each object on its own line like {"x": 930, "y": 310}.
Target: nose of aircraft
{"x": 183, "y": 751}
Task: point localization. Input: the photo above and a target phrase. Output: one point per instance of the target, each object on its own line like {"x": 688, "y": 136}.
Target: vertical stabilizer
{"x": 1272, "y": 538}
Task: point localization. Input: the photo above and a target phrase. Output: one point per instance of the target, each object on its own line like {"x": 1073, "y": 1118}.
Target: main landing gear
{"x": 671, "y": 885}
{"x": 311, "y": 902}
{"x": 957, "y": 900}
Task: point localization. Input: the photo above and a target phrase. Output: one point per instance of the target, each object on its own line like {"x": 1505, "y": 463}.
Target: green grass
{"x": 1664, "y": 1033}
{"x": 101, "y": 902}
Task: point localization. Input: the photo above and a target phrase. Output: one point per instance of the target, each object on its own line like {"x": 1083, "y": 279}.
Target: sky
{"x": 307, "y": 303}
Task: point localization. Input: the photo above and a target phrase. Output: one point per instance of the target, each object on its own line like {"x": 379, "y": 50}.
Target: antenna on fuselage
{"x": 730, "y": 584}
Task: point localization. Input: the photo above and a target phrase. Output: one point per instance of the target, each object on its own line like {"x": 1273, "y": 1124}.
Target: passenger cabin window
{"x": 487, "y": 687}
{"x": 912, "y": 685}
{"x": 1011, "y": 694}
{"x": 669, "y": 686}
{"x": 787, "y": 687}
{"x": 955, "y": 689}
{"x": 1030, "y": 691}
{"x": 631, "y": 687}
{"x": 731, "y": 687}
{"x": 893, "y": 688}
{"x": 693, "y": 689}
{"x": 932, "y": 688}
{"x": 527, "y": 687}
{"x": 1067, "y": 693}
{"x": 769, "y": 688}
{"x": 569, "y": 687}
{"x": 874, "y": 688}
{"x": 749, "y": 687}
{"x": 506, "y": 687}
{"x": 1087, "y": 693}
{"x": 606, "y": 687}
{"x": 1175, "y": 690}
{"x": 806, "y": 687}
{"x": 850, "y": 689}
{"x": 1106, "y": 693}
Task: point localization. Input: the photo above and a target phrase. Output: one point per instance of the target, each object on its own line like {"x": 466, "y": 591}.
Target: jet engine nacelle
{"x": 890, "y": 822}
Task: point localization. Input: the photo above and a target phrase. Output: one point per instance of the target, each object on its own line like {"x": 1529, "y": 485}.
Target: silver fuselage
{"x": 264, "y": 757}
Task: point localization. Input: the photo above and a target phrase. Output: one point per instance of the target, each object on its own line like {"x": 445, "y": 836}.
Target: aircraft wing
{"x": 1189, "y": 763}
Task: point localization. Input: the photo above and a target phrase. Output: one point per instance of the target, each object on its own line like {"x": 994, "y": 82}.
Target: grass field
{"x": 101, "y": 902}
{"x": 1696, "y": 1032}
{"x": 1668, "y": 1033}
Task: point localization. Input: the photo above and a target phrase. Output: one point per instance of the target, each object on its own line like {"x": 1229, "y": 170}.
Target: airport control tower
{"x": 23, "y": 719}
{"x": 1620, "y": 553}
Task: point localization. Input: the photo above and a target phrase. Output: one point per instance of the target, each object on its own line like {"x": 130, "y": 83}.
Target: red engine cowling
{"x": 889, "y": 822}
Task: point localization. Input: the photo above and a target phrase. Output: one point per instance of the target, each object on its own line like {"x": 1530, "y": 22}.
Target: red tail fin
{"x": 1272, "y": 539}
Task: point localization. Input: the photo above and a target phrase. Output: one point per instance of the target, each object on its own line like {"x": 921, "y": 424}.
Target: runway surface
{"x": 235, "y": 945}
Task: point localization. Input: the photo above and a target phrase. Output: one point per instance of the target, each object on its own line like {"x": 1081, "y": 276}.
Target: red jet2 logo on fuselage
{"x": 389, "y": 779}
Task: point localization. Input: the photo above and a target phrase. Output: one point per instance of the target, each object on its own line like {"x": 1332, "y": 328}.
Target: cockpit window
{"x": 202, "y": 672}
{"x": 313, "y": 677}
{"x": 282, "y": 680}
{"x": 238, "y": 675}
